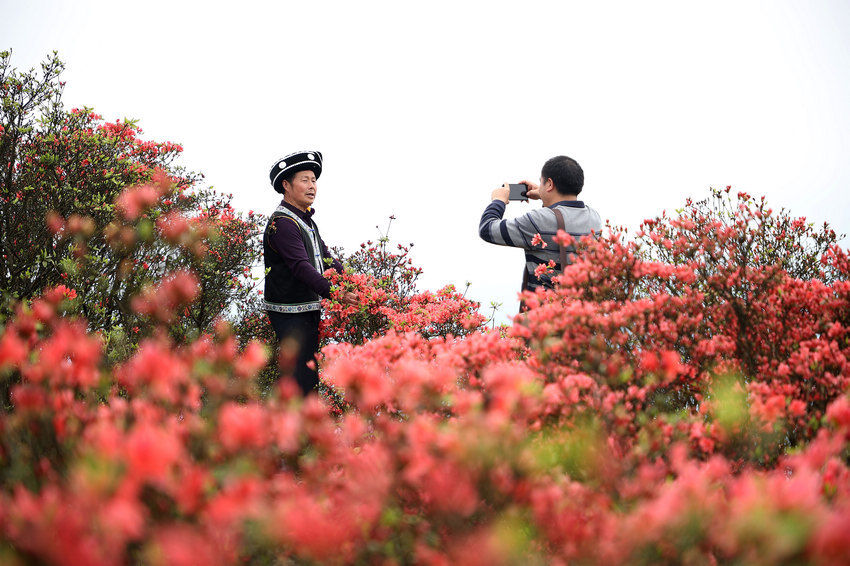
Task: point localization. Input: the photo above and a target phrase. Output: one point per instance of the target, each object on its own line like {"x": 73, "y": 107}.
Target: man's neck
{"x": 558, "y": 197}
{"x": 290, "y": 203}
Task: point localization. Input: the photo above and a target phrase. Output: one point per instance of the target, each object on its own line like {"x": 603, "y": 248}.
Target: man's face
{"x": 301, "y": 192}
{"x": 547, "y": 193}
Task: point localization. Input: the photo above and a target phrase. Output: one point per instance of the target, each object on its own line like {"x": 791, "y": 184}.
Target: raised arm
{"x": 516, "y": 232}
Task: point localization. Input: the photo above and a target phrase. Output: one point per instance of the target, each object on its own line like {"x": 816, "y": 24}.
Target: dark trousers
{"x": 300, "y": 332}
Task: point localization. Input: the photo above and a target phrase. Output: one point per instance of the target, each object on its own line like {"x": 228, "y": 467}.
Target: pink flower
{"x": 252, "y": 360}
{"x": 13, "y": 350}
{"x": 538, "y": 241}
{"x": 151, "y": 452}
{"x": 838, "y": 413}
{"x": 134, "y": 201}
{"x": 184, "y": 545}
{"x": 243, "y": 427}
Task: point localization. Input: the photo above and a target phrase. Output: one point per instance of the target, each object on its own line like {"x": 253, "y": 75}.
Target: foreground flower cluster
{"x": 679, "y": 398}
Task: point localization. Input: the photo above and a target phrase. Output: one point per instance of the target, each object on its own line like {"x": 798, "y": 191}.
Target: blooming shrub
{"x": 65, "y": 220}
{"x": 384, "y": 283}
{"x": 378, "y": 309}
{"x": 615, "y": 422}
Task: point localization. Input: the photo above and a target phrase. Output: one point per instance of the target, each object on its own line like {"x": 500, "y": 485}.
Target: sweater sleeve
{"x": 286, "y": 241}
{"x": 515, "y": 232}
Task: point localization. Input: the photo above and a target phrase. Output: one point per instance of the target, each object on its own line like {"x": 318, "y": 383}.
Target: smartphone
{"x": 518, "y": 192}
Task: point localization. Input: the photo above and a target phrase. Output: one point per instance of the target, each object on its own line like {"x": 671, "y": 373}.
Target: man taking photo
{"x": 561, "y": 181}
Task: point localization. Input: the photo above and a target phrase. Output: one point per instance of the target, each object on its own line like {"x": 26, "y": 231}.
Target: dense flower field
{"x": 690, "y": 410}
{"x": 681, "y": 396}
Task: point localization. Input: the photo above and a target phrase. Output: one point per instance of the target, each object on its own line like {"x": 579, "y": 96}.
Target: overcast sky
{"x": 422, "y": 108}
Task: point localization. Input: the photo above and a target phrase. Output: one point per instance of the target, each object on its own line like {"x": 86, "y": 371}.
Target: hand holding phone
{"x": 517, "y": 192}
{"x": 533, "y": 192}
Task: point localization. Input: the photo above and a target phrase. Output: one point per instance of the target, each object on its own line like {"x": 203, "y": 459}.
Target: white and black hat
{"x": 292, "y": 163}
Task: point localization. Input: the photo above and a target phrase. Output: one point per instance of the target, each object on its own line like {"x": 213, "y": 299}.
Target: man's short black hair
{"x": 565, "y": 173}
{"x": 289, "y": 176}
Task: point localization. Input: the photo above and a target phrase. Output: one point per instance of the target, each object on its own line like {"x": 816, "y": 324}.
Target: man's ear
{"x": 548, "y": 184}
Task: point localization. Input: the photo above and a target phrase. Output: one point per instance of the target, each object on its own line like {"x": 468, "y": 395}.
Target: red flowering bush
{"x": 712, "y": 309}
{"x": 379, "y": 309}
{"x": 65, "y": 220}
{"x": 391, "y": 266}
{"x": 384, "y": 283}
{"x": 617, "y": 423}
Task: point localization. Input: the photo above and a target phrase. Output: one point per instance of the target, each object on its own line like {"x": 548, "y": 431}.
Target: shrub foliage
{"x": 65, "y": 220}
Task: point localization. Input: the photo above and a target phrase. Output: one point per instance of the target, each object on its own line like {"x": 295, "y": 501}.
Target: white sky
{"x": 421, "y": 109}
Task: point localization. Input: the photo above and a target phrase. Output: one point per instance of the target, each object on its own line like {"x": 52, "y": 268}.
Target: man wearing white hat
{"x": 295, "y": 258}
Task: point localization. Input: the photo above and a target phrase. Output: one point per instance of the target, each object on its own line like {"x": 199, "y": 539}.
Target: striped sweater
{"x": 579, "y": 220}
